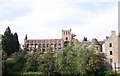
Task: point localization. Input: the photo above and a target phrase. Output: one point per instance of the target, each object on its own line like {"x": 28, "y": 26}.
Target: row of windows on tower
{"x": 66, "y": 33}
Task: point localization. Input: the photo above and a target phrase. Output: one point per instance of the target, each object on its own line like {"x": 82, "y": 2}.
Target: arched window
{"x": 66, "y": 38}
{"x": 110, "y": 44}
{"x": 111, "y": 53}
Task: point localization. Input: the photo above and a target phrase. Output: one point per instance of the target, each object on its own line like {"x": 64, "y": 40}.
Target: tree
{"x": 77, "y": 59}
{"x": 73, "y": 36}
{"x": 10, "y": 42}
{"x": 85, "y": 39}
{"x": 65, "y": 61}
{"x": 41, "y": 62}
{"x": 14, "y": 64}
{"x": 16, "y": 42}
{"x": 47, "y": 61}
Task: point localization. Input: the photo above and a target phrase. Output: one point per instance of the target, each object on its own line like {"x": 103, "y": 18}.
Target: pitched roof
{"x": 86, "y": 43}
{"x": 94, "y": 41}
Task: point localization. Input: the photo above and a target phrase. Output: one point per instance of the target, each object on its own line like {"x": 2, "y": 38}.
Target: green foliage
{"x": 74, "y": 59}
{"x": 32, "y": 64}
{"x": 41, "y": 62}
{"x": 10, "y": 43}
{"x": 47, "y": 62}
{"x": 28, "y": 74}
{"x": 111, "y": 73}
{"x": 14, "y": 64}
{"x": 65, "y": 61}
{"x": 77, "y": 59}
{"x": 16, "y": 42}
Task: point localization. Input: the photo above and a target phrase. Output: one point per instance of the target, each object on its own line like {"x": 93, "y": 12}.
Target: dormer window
{"x": 110, "y": 44}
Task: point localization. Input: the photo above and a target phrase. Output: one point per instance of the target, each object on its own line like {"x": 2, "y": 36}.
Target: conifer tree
{"x": 9, "y": 42}
{"x": 16, "y": 42}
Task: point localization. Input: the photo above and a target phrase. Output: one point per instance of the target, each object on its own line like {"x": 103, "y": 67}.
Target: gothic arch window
{"x": 43, "y": 50}
{"x": 64, "y": 33}
{"x": 66, "y": 38}
{"x": 47, "y": 45}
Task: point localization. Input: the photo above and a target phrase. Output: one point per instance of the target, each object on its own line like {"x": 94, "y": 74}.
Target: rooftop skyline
{"x": 45, "y": 19}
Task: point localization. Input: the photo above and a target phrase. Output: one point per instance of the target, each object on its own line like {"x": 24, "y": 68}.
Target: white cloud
{"x": 101, "y": 25}
{"x": 46, "y": 18}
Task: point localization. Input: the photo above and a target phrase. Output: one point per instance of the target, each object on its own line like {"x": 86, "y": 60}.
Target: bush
{"x": 28, "y": 74}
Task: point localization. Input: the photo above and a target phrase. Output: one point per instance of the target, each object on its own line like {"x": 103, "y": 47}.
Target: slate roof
{"x": 94, "y": 41}
{"x": 86, "y": 43}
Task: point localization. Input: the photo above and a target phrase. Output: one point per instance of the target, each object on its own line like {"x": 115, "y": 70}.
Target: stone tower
{"x": 25, "y": 41}
{"x": 66, "y": 36}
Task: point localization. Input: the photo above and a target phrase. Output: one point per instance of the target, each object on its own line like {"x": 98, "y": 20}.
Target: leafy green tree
{"x": 32, "y": 64}
{"x": 41, "y": 62}
{"x": 77, "y": 59}
{"x": 14, "y": 64}
{"x": 65, "y": 61}
{"x": 46, "y": 62}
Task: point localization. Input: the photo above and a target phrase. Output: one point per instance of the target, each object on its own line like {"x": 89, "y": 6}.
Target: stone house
{"x": 111, "y": 49}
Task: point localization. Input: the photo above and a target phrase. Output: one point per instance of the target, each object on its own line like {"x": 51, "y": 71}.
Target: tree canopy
{"x": 10, "y": 43}
{"x": 79, "y": 60}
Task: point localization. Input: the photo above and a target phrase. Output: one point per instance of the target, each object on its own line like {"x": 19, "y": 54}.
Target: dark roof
{"x": 94, "y": 41}
{"x": 86, "y": 43}
{"x": 101, "y": 42}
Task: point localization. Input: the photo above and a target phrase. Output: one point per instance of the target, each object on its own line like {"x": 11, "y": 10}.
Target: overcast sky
{"x": 41, "y": 19}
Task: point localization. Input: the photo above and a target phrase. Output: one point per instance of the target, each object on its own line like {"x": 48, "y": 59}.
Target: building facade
{"x": 111, "y": 49}
{"x": 43, "y": 44}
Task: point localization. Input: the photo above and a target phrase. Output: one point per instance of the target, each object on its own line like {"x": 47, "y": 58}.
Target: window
{"x": 110, "y": 52}
{"x": 111, "y": 60}
{"x": 39, "y": 46}
{"x": 68, "y": 32}
{"x": 66, "y": 38}
{"x": 47, "y": 45}
{"x": 97, "y": 48}
{"x": 59, "y": 44}
{"x": 43, "y": 50}
{"x": 110, "y": 44}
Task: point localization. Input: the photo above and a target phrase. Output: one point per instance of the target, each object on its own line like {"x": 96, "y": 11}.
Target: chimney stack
{"x": 113, "y": 32}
